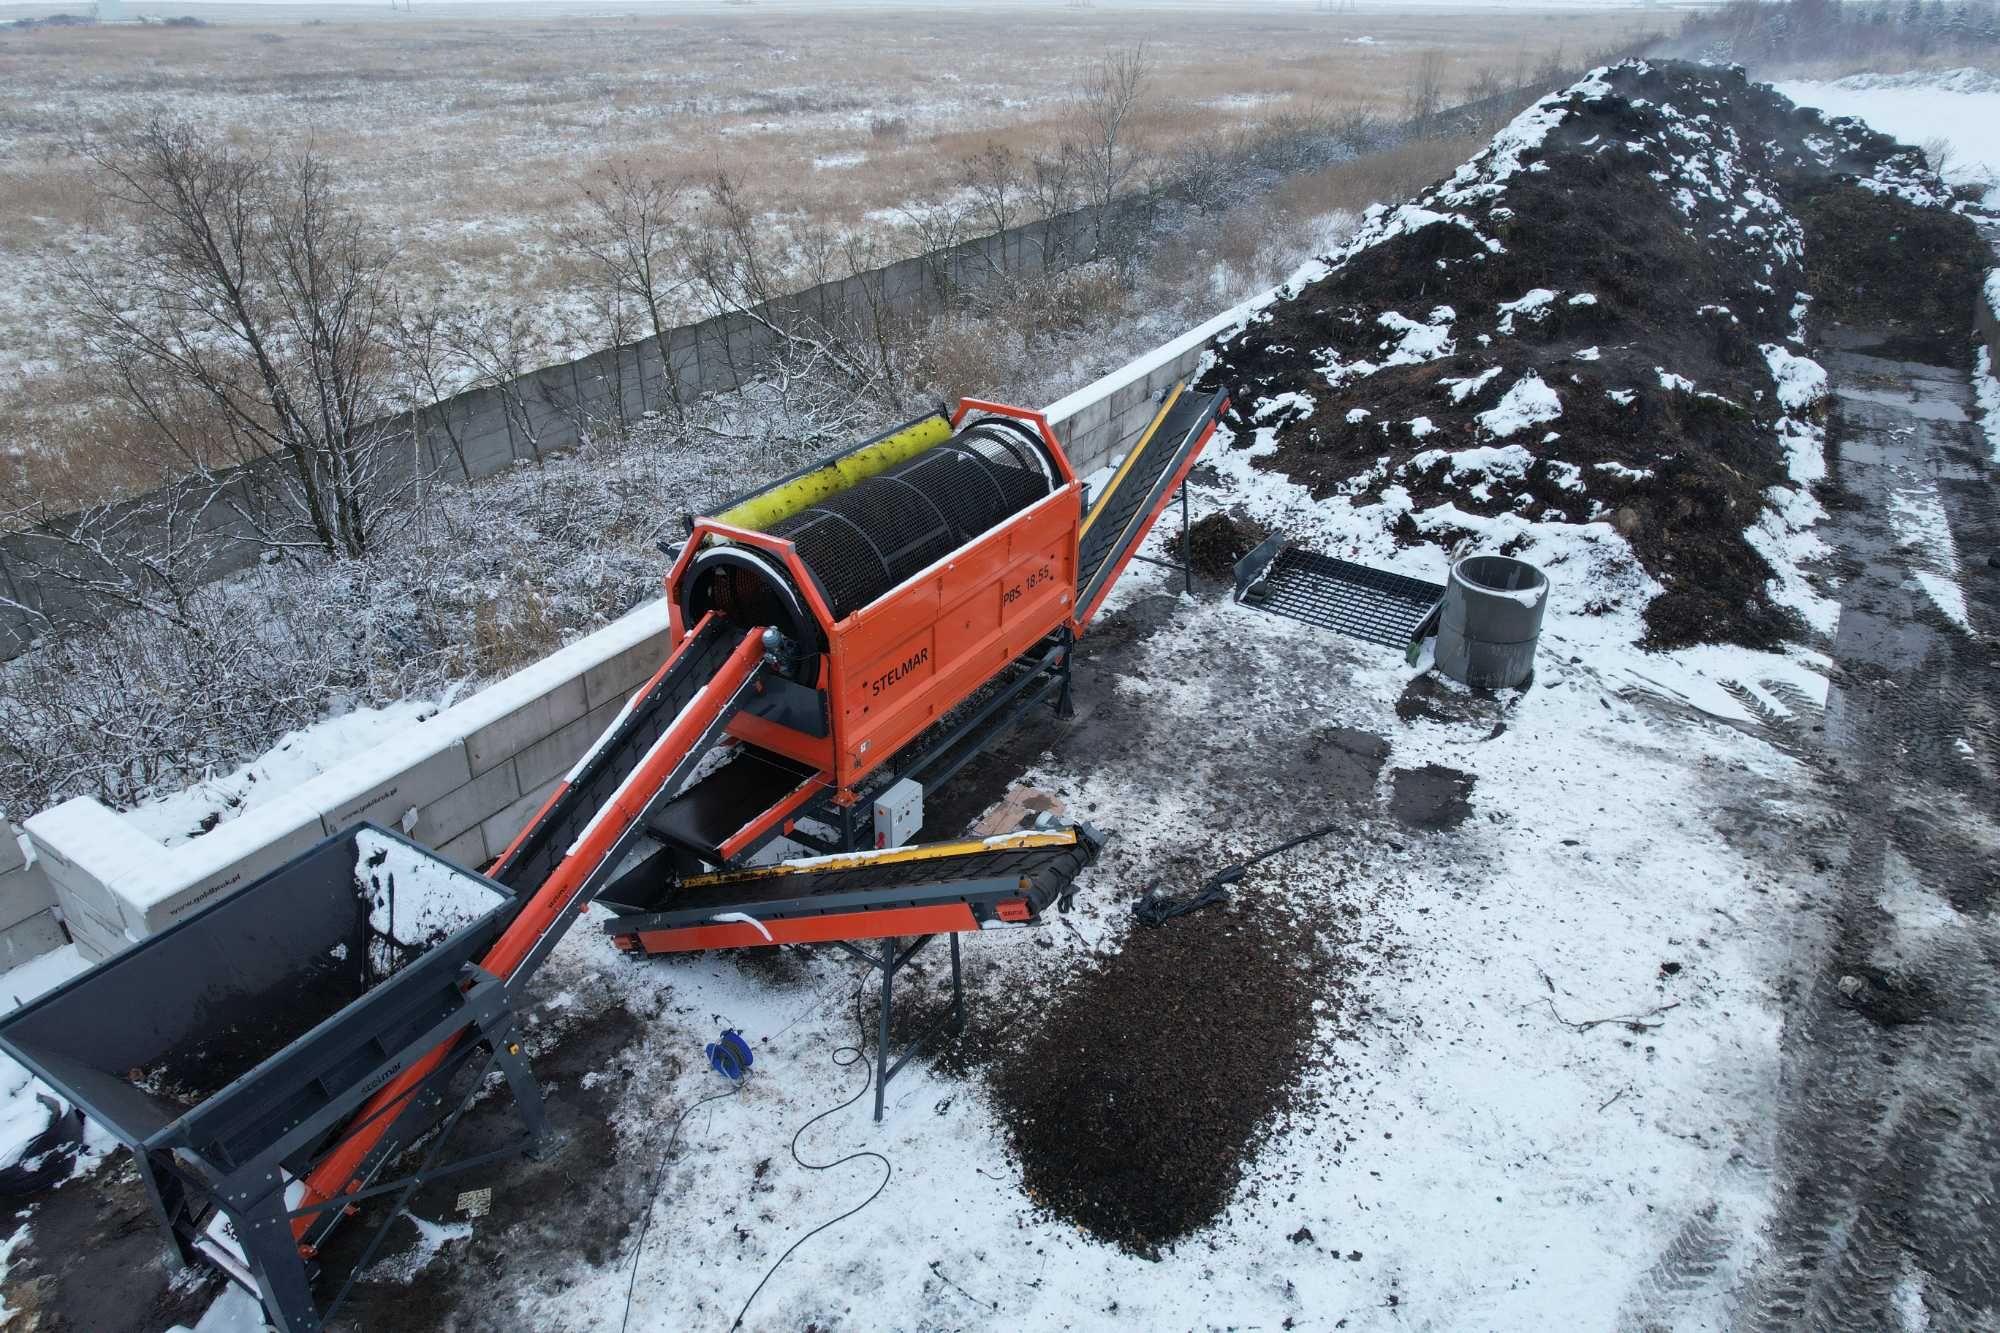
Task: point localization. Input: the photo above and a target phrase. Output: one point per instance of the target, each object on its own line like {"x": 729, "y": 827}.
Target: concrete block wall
{"x": 465, "y": 781}
{"x": 30, "y": 923}
{"x": 1101, "y": 420}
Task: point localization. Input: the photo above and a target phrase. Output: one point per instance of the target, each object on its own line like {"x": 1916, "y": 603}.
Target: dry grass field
{"x": 468, "y": 133}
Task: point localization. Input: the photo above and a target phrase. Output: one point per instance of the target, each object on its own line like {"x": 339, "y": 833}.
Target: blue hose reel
{"x": 730, "y": 1056}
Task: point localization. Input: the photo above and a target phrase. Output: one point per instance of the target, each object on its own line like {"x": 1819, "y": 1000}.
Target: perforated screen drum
{"x": 867, "y": 539}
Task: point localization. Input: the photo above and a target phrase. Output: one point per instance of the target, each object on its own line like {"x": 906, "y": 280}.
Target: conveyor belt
{"x": 714, "y": 810}
{"x": 1013, "y": 878}
{"x": 1131, "y": 502}
{"x": 653, "y": 709}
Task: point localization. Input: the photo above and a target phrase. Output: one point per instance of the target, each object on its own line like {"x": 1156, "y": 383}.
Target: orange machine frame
{"x": 897, "y": 665}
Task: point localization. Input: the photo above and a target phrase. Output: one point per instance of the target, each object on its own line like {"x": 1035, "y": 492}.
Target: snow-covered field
{"x": 1960, "y": 107}
{"x": 467, "y": 138}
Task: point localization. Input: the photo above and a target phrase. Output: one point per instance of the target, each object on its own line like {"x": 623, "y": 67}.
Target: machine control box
{"x": 899, "y": 813}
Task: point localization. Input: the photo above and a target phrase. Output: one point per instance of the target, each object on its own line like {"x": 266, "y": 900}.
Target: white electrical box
{"x": 899, "y": 813}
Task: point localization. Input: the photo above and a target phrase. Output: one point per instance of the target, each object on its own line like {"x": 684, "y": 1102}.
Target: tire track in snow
{"x": 1889, "y": 1160}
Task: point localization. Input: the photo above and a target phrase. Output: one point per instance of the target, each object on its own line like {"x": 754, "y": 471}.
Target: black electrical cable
{"x": 1154, "y": 908}
{"x": 843, "y": 1056}
{"x": 653, "y": 1194}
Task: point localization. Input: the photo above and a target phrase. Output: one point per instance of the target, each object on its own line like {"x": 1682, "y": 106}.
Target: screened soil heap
{"x": 1137, "y": 1101}
{"x": 1595, "y": 320}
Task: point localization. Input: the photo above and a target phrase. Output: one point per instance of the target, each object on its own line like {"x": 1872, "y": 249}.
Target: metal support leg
{"x": 1187, "y": 544}
{"x": 284, "y": 1284}
{"x": 888, "y": 966}
{"x": 527, "y": 1098}
{"x": 957, "y": 988}
{"x": 1065, "y": 702}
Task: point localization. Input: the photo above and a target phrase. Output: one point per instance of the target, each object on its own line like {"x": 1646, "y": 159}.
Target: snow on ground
{"x": 1479, "y": 1159}
{"x": 1926, "y": 532}
{"x": 1960, "y": 106}
{"x": 1987, "y": 387}
{"x": 1565, "y": 1064}
{"x": 23, "y": 1112}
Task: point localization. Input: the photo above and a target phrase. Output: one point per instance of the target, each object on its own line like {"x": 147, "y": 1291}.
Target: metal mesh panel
{"x": 1363, "y": 603}
{"x": 867, "y": 539}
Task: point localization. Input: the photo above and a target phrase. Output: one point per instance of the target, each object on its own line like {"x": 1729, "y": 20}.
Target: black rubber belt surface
{"x": 1048, "y": 871}
{"x": 554, "y": 834}
{"x": 1163, "y": 449}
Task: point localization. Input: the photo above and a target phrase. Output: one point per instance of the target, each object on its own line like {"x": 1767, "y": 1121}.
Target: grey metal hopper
{"x": 226, "y": 1050}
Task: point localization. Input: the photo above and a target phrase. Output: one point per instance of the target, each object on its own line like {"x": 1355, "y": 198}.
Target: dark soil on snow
{"x": 1136, "y": 1102}
{"x": 1217, "y": 542}
{"x": 1432, "y": 797}
{"x": 1614, "y": 207}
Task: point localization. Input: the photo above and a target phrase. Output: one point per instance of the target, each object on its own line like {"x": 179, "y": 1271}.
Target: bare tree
{"x": 1053, "y": 190}
{"x": 940, "y": 225}
{"x": 995, "y": 182}
{"x": 424, "y": 346}
{"x": 633, "y": 231}
{"x": 492, "y": 346}
{"x": 1103, "y": 135}
{"x": 738, "y": 272}
{"x": 1423, "y": 96}
{"x": 252, "y": 292}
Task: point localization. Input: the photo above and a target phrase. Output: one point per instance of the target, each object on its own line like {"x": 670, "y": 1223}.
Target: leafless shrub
{"x": 1423, "y": 95}
{"x": 1203, "y": 174}
{"x": 256, "y": 294}
{"x": 1552, "y": 72}
{"x": 1102, "y": 137}
{"x": 1938, "y": 152}
{"x": 634, "y": 236}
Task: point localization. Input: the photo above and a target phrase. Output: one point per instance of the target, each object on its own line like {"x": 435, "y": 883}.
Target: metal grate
{"x": 1350, "y": 599}
{"x": 867, "y": 539}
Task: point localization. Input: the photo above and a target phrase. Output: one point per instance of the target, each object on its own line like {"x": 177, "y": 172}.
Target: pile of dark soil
{"x": 1880, "y": 261}
{"x": 1655, "y": 225}
{"x": 1217, "y": 542}
{"x": 257, "y": 1028}
{"x": 1143, "y": 1090}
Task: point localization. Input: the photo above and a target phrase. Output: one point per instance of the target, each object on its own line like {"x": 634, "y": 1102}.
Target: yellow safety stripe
{"x": 761, "y": 511}
{"x": 933, "y": 851}
{"x": 1132, "y": 457}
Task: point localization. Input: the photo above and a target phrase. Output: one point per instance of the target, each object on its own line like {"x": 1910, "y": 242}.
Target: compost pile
{"x": 1217, "y": 542}
{"x": 1599, "y": 323}
{"x": 1139, "y": 1095}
